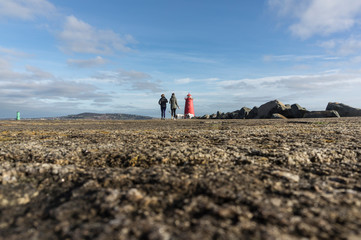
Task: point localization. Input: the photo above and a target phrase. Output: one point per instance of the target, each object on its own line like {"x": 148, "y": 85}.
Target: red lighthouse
{"x": 189, "y": 109}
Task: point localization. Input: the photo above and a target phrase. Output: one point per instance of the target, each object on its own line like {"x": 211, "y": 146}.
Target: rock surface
{"x": 265, "y": 111}
{"x": 322, "y": 114}
{"x": 243, "y": 112}
{"x": 268, "y": 109}
{"x": 253, "y": 113}
{"x": 278, "y": 116}
{"x": 297, "y": 111}
{"x": 343, "y": 109}
{"x": 184, "y": 179}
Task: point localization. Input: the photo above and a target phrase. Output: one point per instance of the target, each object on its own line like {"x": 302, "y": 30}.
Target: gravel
{"x": 184, "y": 179}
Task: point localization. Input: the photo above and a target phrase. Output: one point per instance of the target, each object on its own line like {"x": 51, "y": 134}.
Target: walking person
{"x": 163, "y": 105}
{"x": 173, "y": 106}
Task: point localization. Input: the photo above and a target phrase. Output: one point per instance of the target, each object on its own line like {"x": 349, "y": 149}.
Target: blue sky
{"x": 60, "y": 57}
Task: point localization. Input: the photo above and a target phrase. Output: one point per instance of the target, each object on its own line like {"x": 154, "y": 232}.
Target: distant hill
{"x": 105, "y": 116}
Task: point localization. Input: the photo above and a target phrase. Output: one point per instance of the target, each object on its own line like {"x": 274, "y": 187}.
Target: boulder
{"x": 231, "y": 115}
{"x": 266, "y": 110}
{"x": 235, "y": 114}
{"x": 213, "y": 116}
{"x": 343, "y": 109}
{"x": 253, "y": 113}
{"x": 278, "y": 116}
{"x": 219, "y": 114}
{"x": 297, "y": 111}
{"x": 239, "y": 114}
{"x": 243, "y": 112}
{"x": 321, "y": 114}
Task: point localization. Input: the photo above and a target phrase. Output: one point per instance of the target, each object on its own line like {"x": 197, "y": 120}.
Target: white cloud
{"x": 32, "y": 73}
{"x": 330, "y": 44}
{"x": 326, "y": 17}
{"x": 80, "y": 37}
{"x": 356, "y": 60}
{"x": 288, "y": 58}
{"x": 136, "y": 80}
{"x": 312, "y": 91}
{"x": 6, "y": 73}
{"x": 122, "y": 76}
{"x": 189, "y": 80}
{"x": 12, "y": 52}
{"x": 53, "y": 89}
{"x": 306, "y": 89}
{"x": 38, "y": 74}
{"x": 343, "y": 47}
{"x": 48, "y": 98}
{"x": 183, "y": 57}
{"x": 297, "y": 83}
{"x": 183, "y": 81}
{"x": 25, "y": 9}
{"x": 319, "y": 17}
{"x": 87, "y": 63}
{"x": 287, "y": 7}
{"x": 4, "y": 65}
{"x": 35, "y": 86}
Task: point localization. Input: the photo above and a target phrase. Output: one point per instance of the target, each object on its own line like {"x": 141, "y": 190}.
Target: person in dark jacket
{"x": 173, "y": 106}
{"x": 163, "y": 105}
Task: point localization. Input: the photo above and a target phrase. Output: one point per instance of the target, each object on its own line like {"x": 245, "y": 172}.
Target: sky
{"x": 60, "y": 57}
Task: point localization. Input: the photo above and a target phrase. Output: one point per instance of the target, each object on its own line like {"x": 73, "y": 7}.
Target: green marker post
{"x": 18, "y": 116}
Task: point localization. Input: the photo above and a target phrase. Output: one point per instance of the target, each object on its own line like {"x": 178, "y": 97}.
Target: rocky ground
{"x": 184, "y": 179}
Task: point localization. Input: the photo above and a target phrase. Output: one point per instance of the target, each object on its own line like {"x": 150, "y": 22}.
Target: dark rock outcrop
{"x": 213, "y": 116}
{"x": 238, "y": 114}
{"x": 297, "y": 111}
{"x": 278, "y": 116}
{"x": 343, "y": 109}
{"x": 253, "y": 113}
{"x": 268, "y": 109}
{"x": 277, "y": 107}
{"x": 243, "y": 112}
{"x": 322, "y": 114}
{"x": 273, "y": 109}
{"x": 265, "y": 111}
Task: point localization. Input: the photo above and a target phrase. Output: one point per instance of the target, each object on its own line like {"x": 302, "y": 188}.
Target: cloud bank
{"x": 87, "y": 63}
{"x": 36, "y": 88}
{"x": 78, "y": 36}
{"x": 26, "y": 9}
{"x": 135, "y": 80}
{"x": 319, "y": 17}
